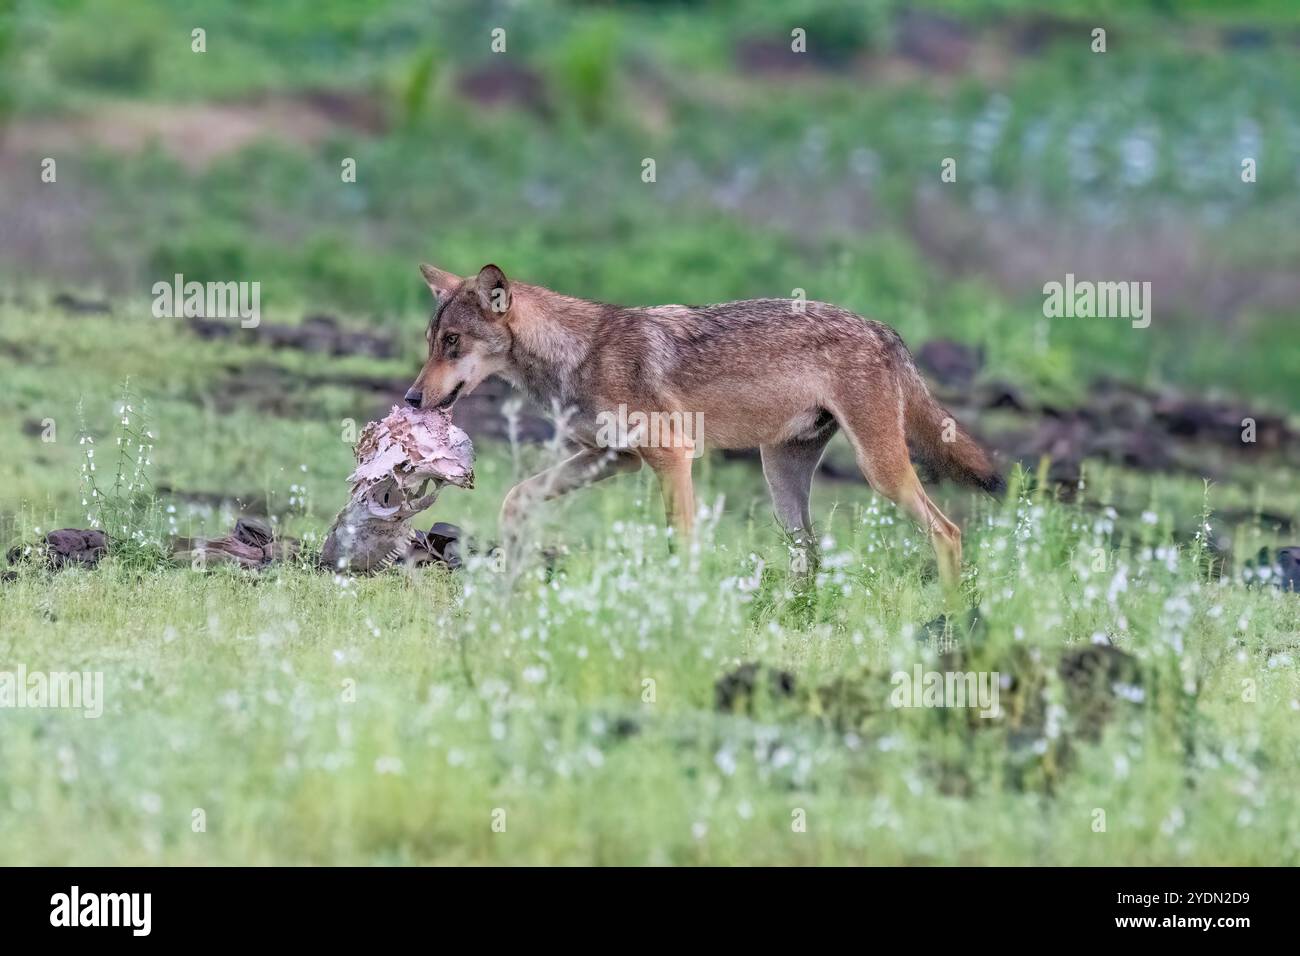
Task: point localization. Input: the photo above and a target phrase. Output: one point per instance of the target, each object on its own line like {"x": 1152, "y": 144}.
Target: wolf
{"x": 779, "y": 375}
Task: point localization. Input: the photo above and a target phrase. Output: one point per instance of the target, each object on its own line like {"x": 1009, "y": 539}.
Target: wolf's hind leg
{"x": 789, "y": 468}
{"x": 881, "y": 450}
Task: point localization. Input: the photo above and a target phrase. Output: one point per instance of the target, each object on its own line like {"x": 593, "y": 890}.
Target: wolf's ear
{"x": 439, "y": 282}
{"x": 493, "y": 290}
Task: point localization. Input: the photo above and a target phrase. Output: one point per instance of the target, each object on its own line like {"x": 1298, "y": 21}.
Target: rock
{"x": 78, "y": 306}
{"x": 443, "y": 542}
{"x": 999, "y": 394}
{"x": 254, "y": 532}
{"x": 320, "y": 334}
{"x": 947, "y": 628}
{"x": 950, "y": 364}
{"x": 1098, "y": 678}
{"x": 1221, "y": 422}
{"x": 1099, "y": 684}
{"x": 734, "y": 692}
{"x": 74, "y": 546}
{"x": 1288, "y": 561}
{"x": 65, "y": 547}
{"x": 1246, "y": 38}
{"x": 1031, "y": 34}
{"x": 773, "y": 55}
{"x": 937, "y": 42}
{"x": 496, "y": 83}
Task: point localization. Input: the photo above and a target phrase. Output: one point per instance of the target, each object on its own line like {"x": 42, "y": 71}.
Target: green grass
{"x": 316, "y": 719}
{"x": 231, "y": 694}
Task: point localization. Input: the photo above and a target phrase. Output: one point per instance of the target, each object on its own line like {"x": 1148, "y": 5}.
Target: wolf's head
{"x": 468, "y": 337}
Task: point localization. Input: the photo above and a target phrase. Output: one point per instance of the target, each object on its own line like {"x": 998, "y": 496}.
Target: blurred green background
{"x": 775, "y": 170}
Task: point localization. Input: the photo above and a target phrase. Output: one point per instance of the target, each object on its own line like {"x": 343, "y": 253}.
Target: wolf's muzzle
{"x": 451, "y": 397}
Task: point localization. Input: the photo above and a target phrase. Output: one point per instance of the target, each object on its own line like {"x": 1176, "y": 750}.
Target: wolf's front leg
{"x": 673, "y": 468}
{"x": 586, "y": 467}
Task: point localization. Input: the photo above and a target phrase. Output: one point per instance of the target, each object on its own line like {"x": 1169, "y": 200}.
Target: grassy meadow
{"x": 566, "y": 712}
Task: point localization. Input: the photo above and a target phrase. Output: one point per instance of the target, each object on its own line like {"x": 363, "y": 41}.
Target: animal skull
{"x": 398, "y": 460}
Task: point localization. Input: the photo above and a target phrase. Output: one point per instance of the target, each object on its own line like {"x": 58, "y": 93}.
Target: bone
{"x": 399, "y": 459}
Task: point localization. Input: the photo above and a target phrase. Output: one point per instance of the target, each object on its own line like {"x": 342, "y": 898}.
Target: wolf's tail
{"x": 938, "y": 442}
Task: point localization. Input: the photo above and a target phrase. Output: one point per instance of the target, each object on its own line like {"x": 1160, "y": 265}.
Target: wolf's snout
{"x": 414, "y": 397}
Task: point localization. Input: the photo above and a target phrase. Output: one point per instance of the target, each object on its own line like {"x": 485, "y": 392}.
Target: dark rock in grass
{"x": 1273, "y": 521}
{"x": 77, "y": 306}
{"x": 1072, "y": 438}
{"x": 8, "y": 576}
{"x": 943, "y": 631}
{"x": 1221, "y": 422}
{"x": 443, "y": 543}
{"x": 67, "y": 546}
{"x": 1062, "y": 440}
{"x": 253, "y": 544}
{"x": 734, "y": 692}
{"x": 1000, "y": 394}
{"x": 1288, "y": 560}
{"x": 74, "y": 546}
{"x": 254, "y": 532}
{"x": 1031, "y": 34}
{"x": 1139, "y": 448}
{"x": 940, "y": 43}
{"x": 1280, "y": 569}
{"x": 625, "y": 727}
{"x": 320, "y": 334}
{"x": 1132, "y": 426}
{"x": 1098, "y": 683}
{"x": 269, "y": 388}
{"x": 439, "y": 545}
{"x": 1246, "y": 38}
{"x": 768, "y": 56}
{"x": 496, "y": 83}
{"x": 1098, "y": 679}
{"x": 950, "y": 364}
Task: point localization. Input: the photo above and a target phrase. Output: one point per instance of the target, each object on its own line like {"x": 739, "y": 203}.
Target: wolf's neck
{"x": 553, "y": 335}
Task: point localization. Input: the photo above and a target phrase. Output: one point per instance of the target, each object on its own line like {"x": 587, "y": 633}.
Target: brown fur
{"x": 762, "y": 373}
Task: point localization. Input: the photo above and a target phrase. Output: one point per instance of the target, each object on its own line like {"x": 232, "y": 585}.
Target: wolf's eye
{"x": 450, "y": 339}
